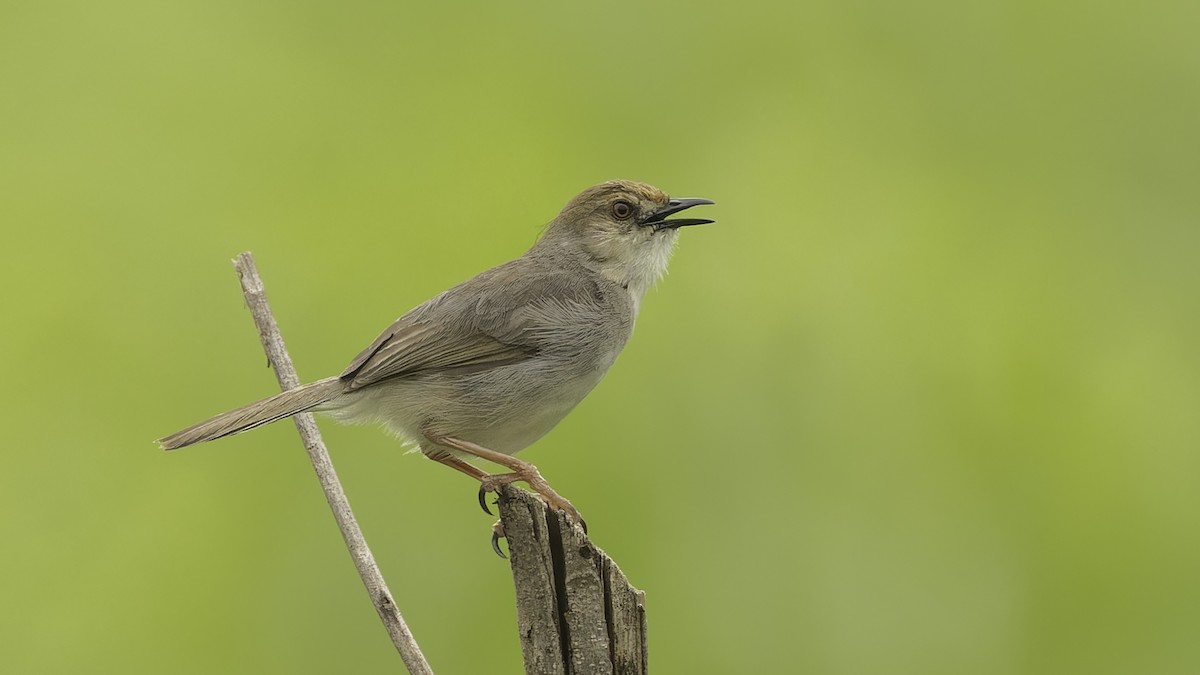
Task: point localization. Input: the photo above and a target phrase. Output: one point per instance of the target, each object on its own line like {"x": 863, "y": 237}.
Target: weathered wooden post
{"x": 576, "y": 612}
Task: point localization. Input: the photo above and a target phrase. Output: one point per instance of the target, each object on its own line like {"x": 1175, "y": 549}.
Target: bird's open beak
{"x": 658, "y": 220}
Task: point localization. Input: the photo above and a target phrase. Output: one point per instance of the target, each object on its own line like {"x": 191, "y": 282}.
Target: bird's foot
{"x": 497, "y": 535}
{"x": 520, "y": 471}
{"x": 529, "y": 475}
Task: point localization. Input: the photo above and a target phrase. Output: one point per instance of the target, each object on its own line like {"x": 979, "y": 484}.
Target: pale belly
{"x": 506, "y": 409}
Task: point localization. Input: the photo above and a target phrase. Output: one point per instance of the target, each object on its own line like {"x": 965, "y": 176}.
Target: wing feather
{"x": 409, "y": 348}
{"x": 479, "y": 324}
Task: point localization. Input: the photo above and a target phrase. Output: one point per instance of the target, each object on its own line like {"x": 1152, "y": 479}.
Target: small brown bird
{"x": 489, "y": 366}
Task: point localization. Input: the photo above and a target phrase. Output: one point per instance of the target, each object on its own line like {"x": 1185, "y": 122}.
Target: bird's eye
{"x": 622, "y": 210}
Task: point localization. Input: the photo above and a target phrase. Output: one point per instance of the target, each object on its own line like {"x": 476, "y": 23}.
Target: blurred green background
{"x": 926, "y": 399}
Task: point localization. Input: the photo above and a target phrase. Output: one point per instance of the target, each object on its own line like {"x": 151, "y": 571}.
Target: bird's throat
{"x": 646, "y": 264}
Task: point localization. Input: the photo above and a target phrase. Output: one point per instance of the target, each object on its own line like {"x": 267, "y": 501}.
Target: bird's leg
{"x": 521, "y": 471}
{"x": 469, "y": 469}
{"x": 456, "y": 463}
{"x": 479, "y": 475}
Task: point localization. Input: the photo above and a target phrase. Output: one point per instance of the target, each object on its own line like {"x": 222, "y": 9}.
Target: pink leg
{"x": 521, "y": 471}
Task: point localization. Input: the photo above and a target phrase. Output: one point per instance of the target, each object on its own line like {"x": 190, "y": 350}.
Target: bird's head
{"x": 624, "y": 227}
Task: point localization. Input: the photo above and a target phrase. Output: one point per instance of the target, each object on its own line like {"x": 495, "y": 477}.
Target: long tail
{"x": 256, "y": 414}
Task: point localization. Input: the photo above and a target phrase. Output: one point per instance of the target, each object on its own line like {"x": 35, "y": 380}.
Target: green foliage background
{"x": 925, "y": 400}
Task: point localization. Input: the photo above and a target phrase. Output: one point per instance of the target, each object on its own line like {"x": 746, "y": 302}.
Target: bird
{"x": 491, "y": 365}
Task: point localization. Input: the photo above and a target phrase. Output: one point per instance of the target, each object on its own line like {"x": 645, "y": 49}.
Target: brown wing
{"x": 495, "y": 319}
{"x": 473, "y": 326}
{"x": 411, "y": 346}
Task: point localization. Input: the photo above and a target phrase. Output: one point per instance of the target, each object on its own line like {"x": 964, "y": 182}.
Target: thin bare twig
{"x": 281, "y": 362}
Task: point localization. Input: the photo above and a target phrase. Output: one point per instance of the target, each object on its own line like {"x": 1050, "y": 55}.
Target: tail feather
{"x": 286, "y": 404}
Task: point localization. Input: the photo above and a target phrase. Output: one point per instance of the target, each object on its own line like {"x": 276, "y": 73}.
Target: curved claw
{"x": 483, "y": 500}
{"x": 496, "y": 544}
{"x": 583, "y": 524}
